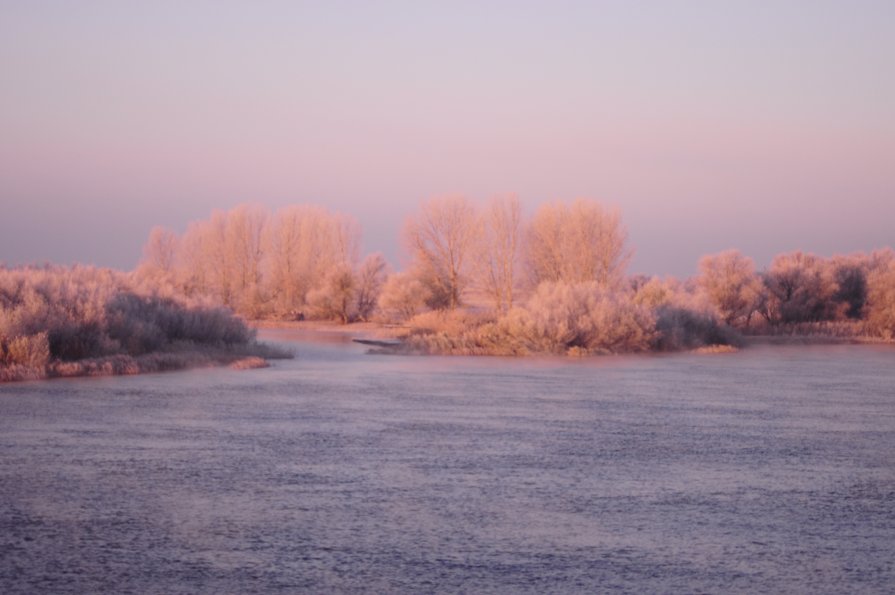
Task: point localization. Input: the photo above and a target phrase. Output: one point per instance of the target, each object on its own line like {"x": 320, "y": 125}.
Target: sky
{"x": 763, "y": 126}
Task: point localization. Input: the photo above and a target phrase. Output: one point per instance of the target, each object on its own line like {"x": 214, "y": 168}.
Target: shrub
{"x": 800, "y": 289}
{"x": 403, "y": 296}
{"x": 458, "y": 332}
{"x": 558, "y": 318}
{"x": 731, "y": 285}
{"x": 561, "y": 316}
{"x": 881, "y": 301}
{"x": 681, "y": 328}
{"x": 335, "y": 298}
{"x": 91, "y": 318}
{"x": 32, "y": 351}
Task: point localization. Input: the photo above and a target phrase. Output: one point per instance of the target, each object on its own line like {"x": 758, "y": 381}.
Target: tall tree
{"x": 205, "y": 259}
{"x": 441, "y": 238}
{"x": 499, "y": 250}
{"x": 160, "y": 250}
{"x": 730, "y": 282}
{"x": 881, "y": 294}
{"x": 245, "y": 231}
{"x": 305, "y": 243}
{"x": 334, "y": 299}
{"x": 369, "y": 281}
{"x": 850, "y": 275}
{"x": 577, "y": 243}
{"x": 800, "y": 289}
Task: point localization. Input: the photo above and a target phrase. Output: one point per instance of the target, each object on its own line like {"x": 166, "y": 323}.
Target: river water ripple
{"x": 769, "y": 470}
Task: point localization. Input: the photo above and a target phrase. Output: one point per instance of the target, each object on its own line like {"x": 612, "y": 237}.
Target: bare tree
{"x": 304, "y": 243}
{"x": 283, "y": 263}
{"x": 369, "y": 281}
{"x": 334, "y": 299}
{"x": 653, "y": 292}
{"x": 441, "y": 239}
{"x": 204, "y": 256}
{"x": 254, "y": 263}
{"x": 577, "y": 243}
{"x": 499, "y": 250}
{"x": 193, "y": 271}
{"x": 800, "y": 289}
{"x": 160, "y": 250}
{"x": 245, "y": 230}
{"x": 731, "y": 284}
{"x": 223, "y": 257}
{"x": 850, "y": 275}
{"x": 881, "y": 294}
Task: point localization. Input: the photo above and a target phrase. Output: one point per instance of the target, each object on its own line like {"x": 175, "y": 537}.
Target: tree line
{"x": 479, "y": 280}
{"x": 304, "y": 261}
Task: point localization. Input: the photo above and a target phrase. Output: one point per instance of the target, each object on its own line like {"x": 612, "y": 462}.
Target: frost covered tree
{"x": 334, "y": 299}
{"x": 800, "y": 289}
{"x": 498, "y": 254}
{"x": 370, "y": 278}
{"x": 731, "y": 284}
{"x": 881, "y": 295}
{"x": 160, "y": 250}
{"x": 223, "y": 257}
{"x": 577, "y": 243}
{"x": 585, "y": 316}
{"x": 304, "y": 243}
{"x": 204, "y": 255}
{"x": 403, "y": 296}
{"x": 255, "y": 263}
{"x": 245, "y": 253}
{"x": 850, "y": 275}
{"x": 442, "y": 239}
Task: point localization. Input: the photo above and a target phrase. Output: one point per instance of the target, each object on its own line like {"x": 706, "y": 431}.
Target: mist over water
{"x": 769, "y": 470}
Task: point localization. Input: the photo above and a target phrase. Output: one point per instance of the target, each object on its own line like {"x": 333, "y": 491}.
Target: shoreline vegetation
{"x": 480, "y": 281}
{"x": 83, "y": 321}
{"x": 399, "y": 339}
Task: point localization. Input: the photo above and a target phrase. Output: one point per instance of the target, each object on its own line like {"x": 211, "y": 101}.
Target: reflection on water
{"x": 768, "y": 470}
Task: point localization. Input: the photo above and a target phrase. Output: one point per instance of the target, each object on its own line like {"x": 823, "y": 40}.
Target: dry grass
{"x": 715, "y": 349}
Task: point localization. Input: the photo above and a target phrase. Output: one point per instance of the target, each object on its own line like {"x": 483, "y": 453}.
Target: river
{"x": 768, "y": 470}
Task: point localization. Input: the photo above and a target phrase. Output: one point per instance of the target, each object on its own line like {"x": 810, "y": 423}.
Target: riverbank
{"x": 126, "y": 365}
{"x": 355, "y": 330}
{"x": 84, "y": 321}
{"x": 806, "y": 340}
{"x": 405, "y": 339}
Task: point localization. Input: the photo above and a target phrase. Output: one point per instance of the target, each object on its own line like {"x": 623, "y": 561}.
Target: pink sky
{"x": 710, "y": 125}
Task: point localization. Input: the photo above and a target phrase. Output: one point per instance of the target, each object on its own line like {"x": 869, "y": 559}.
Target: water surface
{"x": 768, "y": 470}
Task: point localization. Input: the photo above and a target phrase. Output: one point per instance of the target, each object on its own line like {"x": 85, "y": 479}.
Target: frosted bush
{"x": 403, "y": 296}
{"x": 800, "y": 289}
{"x": 32, "y": 351}
{"x": 91, "y": 318}
{"x": 682, "y": 328}
{"x": 335, "y": 299}
{"x": 560, "y": 316}
{"x": 732, "y": 286}
{"x": 881, "y": 301}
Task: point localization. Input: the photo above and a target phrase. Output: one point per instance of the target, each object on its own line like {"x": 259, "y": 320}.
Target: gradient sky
{"x": 765, "y": 126}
